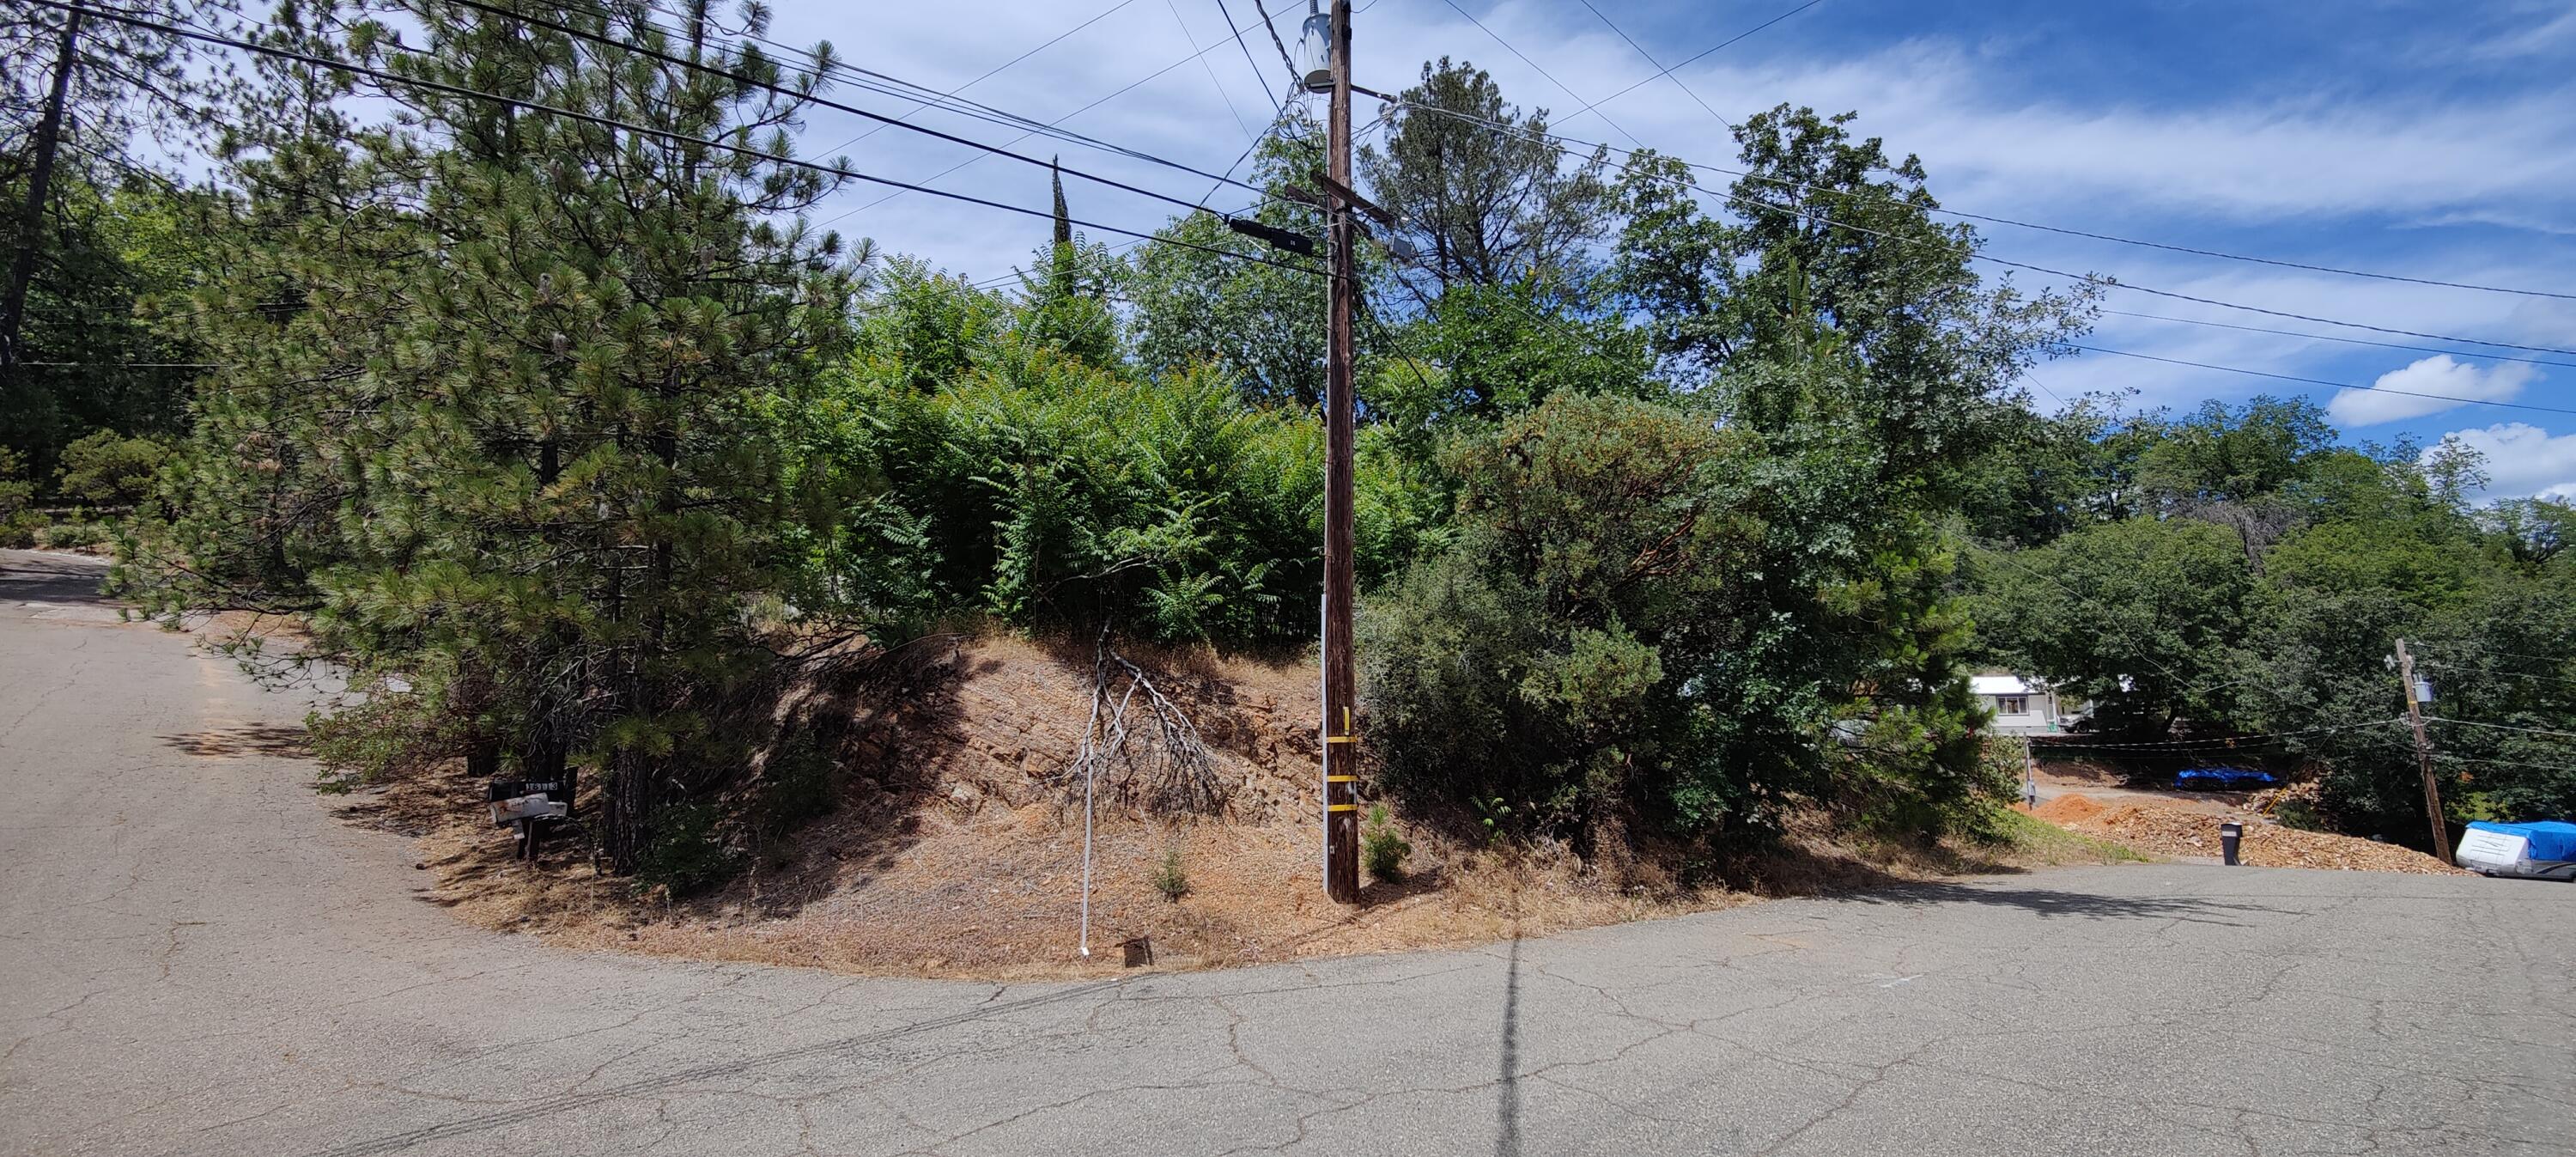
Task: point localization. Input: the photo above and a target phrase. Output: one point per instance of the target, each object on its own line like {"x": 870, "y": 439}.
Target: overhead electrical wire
{"x": 1276, "y": 108}
{"x": 1191, "y": 38}
{"x": 1563, "y": 144}
{"x": 882, "y": 119}
{"x": 992, "y": 72}
{"x": 887, "y": 84}
{"x": 1130, "y": 87}
{"x": 1694, "y": 58}
{"x": 2275, "y": 261}
{"x": 1678, "y": 82}
{"x": 1542, "y": 69}
{"x": 2374, "y": 389}
{"x": 667, "y": 135}
{"x": 2038, "y": 742}
{"x": 2465, "y": 668}
{"x": 2493, "y": 357}
{"x": 2501, "y": 727}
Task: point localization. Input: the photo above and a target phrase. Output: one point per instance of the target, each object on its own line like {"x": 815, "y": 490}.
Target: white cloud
{"x": 2439, "y": 374}
{"x": 2523, "y": 459}
{"x": 2111, "y": 162}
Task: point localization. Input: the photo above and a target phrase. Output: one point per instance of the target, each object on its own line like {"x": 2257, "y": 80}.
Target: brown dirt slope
{"x": 2178, "y": 831}
{"x": 955, "y": 845}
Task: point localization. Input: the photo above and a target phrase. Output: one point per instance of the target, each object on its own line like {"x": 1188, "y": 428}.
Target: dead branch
{"x": 1156, "y": 760}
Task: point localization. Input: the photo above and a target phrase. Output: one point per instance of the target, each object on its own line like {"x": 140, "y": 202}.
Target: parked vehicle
{"x": 2545, "y": 850}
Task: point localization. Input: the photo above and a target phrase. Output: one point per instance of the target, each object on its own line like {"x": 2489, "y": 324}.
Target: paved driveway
{"x": 198, "y": 960}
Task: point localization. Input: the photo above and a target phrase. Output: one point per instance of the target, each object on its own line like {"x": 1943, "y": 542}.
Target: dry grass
{"x": 955, "y": 848}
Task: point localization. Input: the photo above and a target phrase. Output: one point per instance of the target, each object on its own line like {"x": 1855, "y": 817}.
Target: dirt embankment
{"x": 2186, "y": 831}
{"x": 955, "y": 846}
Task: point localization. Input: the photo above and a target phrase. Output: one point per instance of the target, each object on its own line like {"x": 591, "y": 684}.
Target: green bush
{"x": 795, "y": 784}
{"x": 687, "y": 852}
{"x": 110, "y": 469}
{"x": 1171, "y": 878}
{"x": 72, "y": 535}
{"x": 18, "y": 531}
{"x": 1383, "y": 850}
{"x": 1643, "y": 615}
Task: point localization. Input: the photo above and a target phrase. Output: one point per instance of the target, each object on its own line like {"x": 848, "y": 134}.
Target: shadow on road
{"x": 36, "y": 578}
{"x": 2051, "y": 902}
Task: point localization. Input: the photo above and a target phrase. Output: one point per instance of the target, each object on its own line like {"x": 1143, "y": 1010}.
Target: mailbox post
{"x": 529, "y": 804}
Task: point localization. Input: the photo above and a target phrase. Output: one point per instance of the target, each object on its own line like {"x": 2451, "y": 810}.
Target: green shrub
{"x": 72, "y": 535}
{"x": 18, "y": 531}
{"x": 795, "y": 784}
{"x": 687, "y": 852}
{"x": 1172, "y": 878}
{"x": 2301, "y": 815}
{"x": 110, "y": 469}
{"x": 1383, "y": 849}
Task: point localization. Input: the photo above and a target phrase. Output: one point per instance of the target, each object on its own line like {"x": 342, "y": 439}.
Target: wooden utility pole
{"x": 31, "y": 218}
{"x": 1341, "y": 738}
{"x": 2423, "y": 754}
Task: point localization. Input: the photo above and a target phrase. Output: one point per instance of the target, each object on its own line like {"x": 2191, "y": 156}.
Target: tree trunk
{"x": 31, "y": 217}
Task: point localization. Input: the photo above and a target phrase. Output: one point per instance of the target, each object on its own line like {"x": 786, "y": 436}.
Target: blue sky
{"x": 2429, "y": 140}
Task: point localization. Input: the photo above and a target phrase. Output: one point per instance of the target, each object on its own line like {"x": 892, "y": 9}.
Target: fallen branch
{"x": 1154, "y": 758}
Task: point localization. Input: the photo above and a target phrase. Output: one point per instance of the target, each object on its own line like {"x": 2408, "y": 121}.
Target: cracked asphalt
{"x": 198, "y": 959}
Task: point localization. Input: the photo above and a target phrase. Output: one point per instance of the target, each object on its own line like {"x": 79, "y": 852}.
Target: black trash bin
{"x": 2230, "y": 833}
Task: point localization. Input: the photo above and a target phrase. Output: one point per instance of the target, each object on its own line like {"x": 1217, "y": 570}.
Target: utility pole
{"x": 31, "y": 218}
{"x": 2423, "y": 753}
{"x": 1341, "y": 738}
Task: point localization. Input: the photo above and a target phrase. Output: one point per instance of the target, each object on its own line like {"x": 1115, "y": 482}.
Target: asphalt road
{"x": 199, "y": 960}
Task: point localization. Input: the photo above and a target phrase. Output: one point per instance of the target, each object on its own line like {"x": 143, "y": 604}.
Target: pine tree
{"x": 552, "y": 496}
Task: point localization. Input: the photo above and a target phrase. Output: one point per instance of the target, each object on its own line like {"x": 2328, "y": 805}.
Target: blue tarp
{"x": 2224, "y": 778}
{"x": 2549, "y": 839}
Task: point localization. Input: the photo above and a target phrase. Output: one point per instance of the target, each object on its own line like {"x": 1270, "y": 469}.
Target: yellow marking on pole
{"x": 1343, "y": 807}
{"x": 1341, "y": 739}
{"x": 1341, "y": 779}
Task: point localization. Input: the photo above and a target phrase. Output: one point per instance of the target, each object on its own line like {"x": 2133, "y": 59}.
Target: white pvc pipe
{"x": 1089, "y": 774}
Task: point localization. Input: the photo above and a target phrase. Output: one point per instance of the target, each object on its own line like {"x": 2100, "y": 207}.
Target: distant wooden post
{"x": 2423, "y": 754}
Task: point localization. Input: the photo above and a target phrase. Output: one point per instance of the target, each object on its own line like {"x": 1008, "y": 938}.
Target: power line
{"x": 1132, "y": 86}
{"x": 2495, "y": 762}
{"x": 1563, "y": 145}
{"x": 2224, "y": 741}
{"x": 886, "y": 84}
{"x": 1694, "y": 58}
{"x": 1277, "y": 109}
{"x": 614, "y": 123}
{"x": 1273, "y": 29}
{"x": 1998, "y": 220}
{"x": 1687, "y": 90}
{"x": 1542, "y": 70}
{"x": 992, "y": 72}
{"x": 882, "y": 120}
{"x": 2374, "y": 389}
{"x": 2493, "y": 357}
{"x": 2275, "y": 261}
{"x": 2502, "y": 727}
{"x": 1191, "y": 38}
{"x": 2436, "y": 663}
{"x": 2483, "y": 650}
